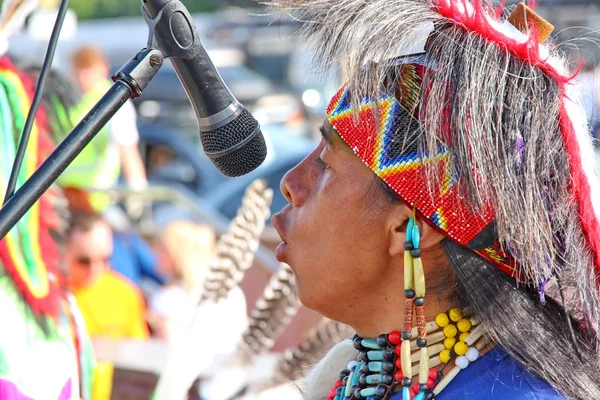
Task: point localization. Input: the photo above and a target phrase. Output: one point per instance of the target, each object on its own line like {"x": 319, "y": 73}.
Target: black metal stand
{"x": 130, "y": 81}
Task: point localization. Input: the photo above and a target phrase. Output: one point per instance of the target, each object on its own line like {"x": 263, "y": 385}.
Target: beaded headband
{"x": 387, "y": 144}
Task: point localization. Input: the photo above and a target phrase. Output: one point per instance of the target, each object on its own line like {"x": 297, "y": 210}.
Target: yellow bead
{"x": 450, "y": 331}
{"x": 463, "y": 336}
{"x": 449, "y": 343}
{"x": 442, "y": 320}
{"x": 456, "y": 314}
{"x": 464, "y": 325}
{"x": 461, "y": 348}
{"x": 445, "y": 356}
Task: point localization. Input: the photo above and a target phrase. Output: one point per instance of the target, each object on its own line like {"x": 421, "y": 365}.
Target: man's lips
{"x": 278, "y": 223}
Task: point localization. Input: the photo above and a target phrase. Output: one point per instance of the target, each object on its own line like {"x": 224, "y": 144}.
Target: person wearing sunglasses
{"x": 111, "y": 305}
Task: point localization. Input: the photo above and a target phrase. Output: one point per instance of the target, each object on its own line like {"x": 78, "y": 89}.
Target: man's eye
{"x": 322, "y": 163}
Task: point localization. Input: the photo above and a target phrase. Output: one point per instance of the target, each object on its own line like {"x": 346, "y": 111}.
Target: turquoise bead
{"x": 354, "y": 381}
{"x": 368, "y": 392}
{"x": 406, "y": 393}
{"x": 337, "y": 398}
{"x": 370, "y": 344}
{"x": 375, "y": 355}
{"x": 420, "y": 396}
{"x": 416, "y": 237}
{"x": 376, "y": 366}
{"x": 409, "y": 229}
{"x": 374, "y": 379}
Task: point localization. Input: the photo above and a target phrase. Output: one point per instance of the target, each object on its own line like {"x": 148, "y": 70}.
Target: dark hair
{"x": 84, "y": 222}
{"x": 546, "y": 340}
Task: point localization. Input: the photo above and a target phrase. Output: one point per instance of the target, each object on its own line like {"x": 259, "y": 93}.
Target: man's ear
{"x": 399, "y": 218}
{"x": 430, "y": 237}
{"x": 398, "y": 222}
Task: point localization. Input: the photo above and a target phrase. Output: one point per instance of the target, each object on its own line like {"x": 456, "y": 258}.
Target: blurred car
{"x": 174, "y": 157}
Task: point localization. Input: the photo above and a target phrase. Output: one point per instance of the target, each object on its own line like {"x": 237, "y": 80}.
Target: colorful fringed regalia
{"x": 480, "y": 133}
{"x": 44, "y": 350}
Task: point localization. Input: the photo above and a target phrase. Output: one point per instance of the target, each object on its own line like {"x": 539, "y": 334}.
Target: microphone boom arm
{"x": 130, "y": 81}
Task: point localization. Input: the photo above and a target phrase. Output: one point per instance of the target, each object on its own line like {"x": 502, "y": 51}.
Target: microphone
{"x": 230, "y": 135}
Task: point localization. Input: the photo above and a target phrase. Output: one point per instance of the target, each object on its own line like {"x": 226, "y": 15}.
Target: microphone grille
{"x": 244, "y": 159}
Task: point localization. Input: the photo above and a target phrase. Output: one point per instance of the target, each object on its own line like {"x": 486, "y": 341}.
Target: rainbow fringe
{"x": 28, "y": 252}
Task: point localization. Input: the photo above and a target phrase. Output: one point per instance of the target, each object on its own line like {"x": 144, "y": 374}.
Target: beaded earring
{"x": 414, "y": 292}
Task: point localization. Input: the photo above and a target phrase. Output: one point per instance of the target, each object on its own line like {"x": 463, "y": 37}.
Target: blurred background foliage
{"x": 87, "y": 9}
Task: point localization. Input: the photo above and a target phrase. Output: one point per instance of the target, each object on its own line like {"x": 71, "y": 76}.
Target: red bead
{"x": 394, "y": 337}
{"x": 332, "y": 391}
{"x": 433, "y": 374}
{"x": 430, "y": 383}
{"x": 413, "y": 393}
{"x": 415, "y": 387}
{"x": 398, "y": 350}
{"x": 329, "y": 398}
{"x": 338, "y": 383}
{"x": 398, "y": 363}
{"x": 398, "y": 376}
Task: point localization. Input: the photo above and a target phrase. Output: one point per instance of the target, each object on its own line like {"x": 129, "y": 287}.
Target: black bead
{"x": 406, "y": 335}
{"x": 365, "y": 368}
{"x": 419, "y": 301}
{"x": 430, "y": 396}
{"x": 409, "y": 294}
{"x": 416, "y": 253}
{"x": 388, "y": 379}
{"x": 348, "y": 398}
{"x": 380, "y": 390}
{"x": 363, "y": 356}
{"x": 406, "y": 382}
{"x": 344, "y": 380}
{"x": 382, "y": 340}
{"x": 357, "y": 394}
{"x": 388, "y": 366}
{"x": 357, "y": 343}
{"x": 344, "y": 374}
{"x": 388, "y": 354}
{"x": 362, "y": 379}
{"x": 376, "y": 398}
{"x": 338, "y": 391}
{"x": 408, "y": 245}
{"x": 423, "y": 387}
{"x": 421, "y": 342}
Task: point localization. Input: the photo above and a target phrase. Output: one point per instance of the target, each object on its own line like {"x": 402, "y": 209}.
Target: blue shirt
{"x": 496, "y": 376}
{"x": 134, "y": 259}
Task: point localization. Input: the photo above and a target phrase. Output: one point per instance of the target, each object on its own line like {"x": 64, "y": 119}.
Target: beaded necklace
{"x": 387, "y": 362}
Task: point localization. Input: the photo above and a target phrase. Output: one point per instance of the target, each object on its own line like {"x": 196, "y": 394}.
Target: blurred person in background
{"x": 112, "y": 307}
{"x": 114, "y": 149}
{"x": 185, "y": 251}
{"x": 135, "y": 259}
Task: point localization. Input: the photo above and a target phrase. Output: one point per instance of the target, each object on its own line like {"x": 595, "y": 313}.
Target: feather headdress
{"x": 492, "y": 121}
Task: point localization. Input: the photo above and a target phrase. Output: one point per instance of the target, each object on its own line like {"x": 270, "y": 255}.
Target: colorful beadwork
{"x": 388, "y": 144}
{"x": 378, "y": 371}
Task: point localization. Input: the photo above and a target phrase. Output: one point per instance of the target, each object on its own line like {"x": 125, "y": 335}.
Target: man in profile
{"x": 112, "y": 307}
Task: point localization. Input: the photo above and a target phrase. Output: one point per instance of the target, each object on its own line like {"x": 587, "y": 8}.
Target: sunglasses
{"x": 87, "y": 261}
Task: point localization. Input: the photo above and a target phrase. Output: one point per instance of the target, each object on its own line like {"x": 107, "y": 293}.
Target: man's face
{"x": 88, "y": 254}
{"x": 87, "y": 78}
{"x": 333, "y": 232}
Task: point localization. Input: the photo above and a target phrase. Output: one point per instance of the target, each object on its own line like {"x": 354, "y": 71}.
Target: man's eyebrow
{"x": 325, "y": 134}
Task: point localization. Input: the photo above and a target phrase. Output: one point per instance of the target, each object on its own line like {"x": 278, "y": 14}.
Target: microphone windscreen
{"x": 241, "y": 159}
